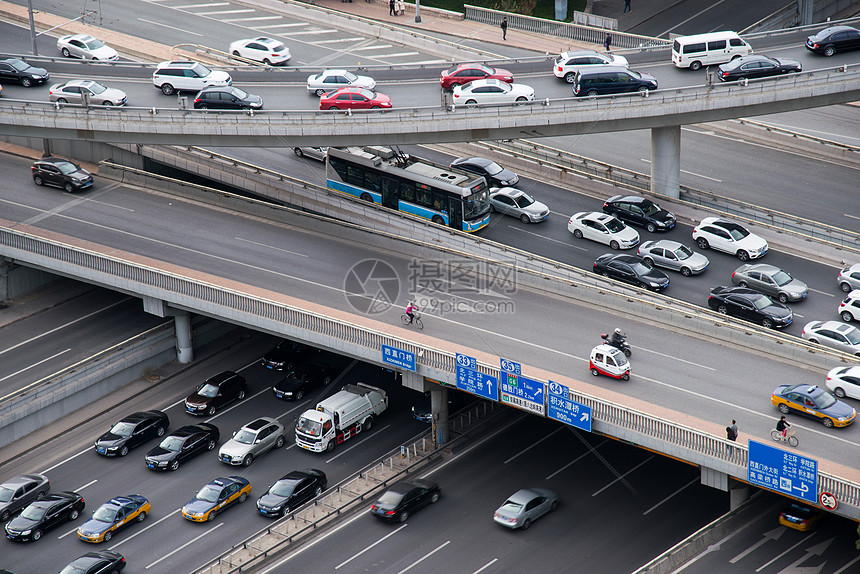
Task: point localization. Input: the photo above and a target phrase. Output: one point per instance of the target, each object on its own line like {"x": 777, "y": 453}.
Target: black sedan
{"x": 291, "y": 491}
{"x": 132, "y": 431}
{"x": 404, "y": 498}
{"x": 182, "y": 444}
{"x": 96, "y": 562}
{"x": 15, "y": 70}
{"x": 745, "y": 303}
{"x": 496, "y": 175}
{"x": 757, "y": 66}
{"x": 55, "y": 509}
{"x": 639, "y": 211}
{"x": 631, "y": 269}
{"x": 226, "y": 98}
{"x": 305, "y": 377}
{"x": 216, "y": 392}
{"x": 834, "y": 39}
{"x": 286, "y": 354}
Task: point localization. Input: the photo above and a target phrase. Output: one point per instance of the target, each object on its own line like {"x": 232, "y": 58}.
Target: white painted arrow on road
{"x": 816, "y": 550}
{"x": 770, "y": 535}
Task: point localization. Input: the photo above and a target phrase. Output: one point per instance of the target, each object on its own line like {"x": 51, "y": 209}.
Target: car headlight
{"x": 25, "y": 532}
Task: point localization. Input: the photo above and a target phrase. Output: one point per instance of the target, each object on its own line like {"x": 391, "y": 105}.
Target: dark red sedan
{"x": 464, "y": 73}
{"x": 355, "y": 99}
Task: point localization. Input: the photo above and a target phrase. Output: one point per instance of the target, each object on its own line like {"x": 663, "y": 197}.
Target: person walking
{"x": 401, "y": 7}
{"x": 627, "y": 7}
{"x": 607, "y": 42}
{"x": 504, "y": 26}
{"x": 391, "y": 8}
{"x": 732, "y": 431}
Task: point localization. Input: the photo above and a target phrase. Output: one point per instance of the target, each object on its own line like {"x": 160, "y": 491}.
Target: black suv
{"x": 611, "y": 80}
{"x": 215, "y": 392}
{"x": 15, "y": 70}
{"x": 639, "y": 211}
{"x": 61, "y": 173}
{"x": 226, "y": 98}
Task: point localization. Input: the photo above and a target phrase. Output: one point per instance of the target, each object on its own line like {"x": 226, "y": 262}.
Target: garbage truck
{"x": 340, "y": 417}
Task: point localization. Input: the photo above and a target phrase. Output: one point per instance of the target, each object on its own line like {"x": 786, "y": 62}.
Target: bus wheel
{"x": 366, "y": 197}
{"x": 438, "y": 220}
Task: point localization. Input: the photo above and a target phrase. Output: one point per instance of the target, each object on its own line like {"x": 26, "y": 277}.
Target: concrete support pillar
{"x": 666, "y": 161}
{"x": 739, "y": 492}
{"x": 439, "y": 408}
{"x": 5, "y": 269}
{"x": 184, "y": 345}
{"x": 804, "y": 12}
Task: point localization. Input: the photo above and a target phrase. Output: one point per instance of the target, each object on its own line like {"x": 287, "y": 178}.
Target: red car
{"x": 354, "y": 98}
{"x": 465, "y": 73}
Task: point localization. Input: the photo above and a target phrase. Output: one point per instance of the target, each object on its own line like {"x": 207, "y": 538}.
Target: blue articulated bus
{"x": 399, "y": 181}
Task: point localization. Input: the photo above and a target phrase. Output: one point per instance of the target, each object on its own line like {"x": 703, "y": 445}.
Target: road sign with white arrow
{"x": 783, "y": 471}
{"x": 561, "y": 408}
{"x": 519, "y": 391}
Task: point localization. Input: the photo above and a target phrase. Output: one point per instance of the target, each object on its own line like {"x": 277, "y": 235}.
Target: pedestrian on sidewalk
{"x": 607, "y": 42}
{"x": 732, "y": 431}
{"x": 401, "y": 7}
{"x": 627, "y": 7}
{"x": 391, "y": 8}
{"x": 504, "y": 26}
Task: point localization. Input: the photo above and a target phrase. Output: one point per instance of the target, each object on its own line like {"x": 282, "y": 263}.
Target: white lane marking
{"x": 62, "y": 462}
{"x": 156, "y": 523}
{"x": 690, "y": 173}
{"x": 336, "y": 40}
{"x": 547, "y": 238}
{"x": 344, "y": 451}
{"x": 823, "y": 293}
{"x": 307, "y": 33}
{"x": 251, "y": 19}
{"x": 190, "y": 542}
{"x": 170, "y": 27}
{"x": 284, "y": 25}
{"x": 485, "y": 566}
{"x": 696, "y": 15}
{"x": 396, "y": 55}
{"x": 623, "y": 475}
{"x": 61, "y": 536}
{"x": 425, "y": 557}
{"x": 357, "y": 554}
{"x": 534, "y": 444}
{"x": 845, "y": 568}
{"x": 238, "y": 403}
{"x": 218, "y": 12}
{"x": 851, "y": 216}
{"x": 577, "y": 459}
{"x": 676, "y": 359}
{"x": 209, "y": 5}
{"x": 689, "y": 484}
{"x": 378, "y": 47}
{"x": 63, "y": 326}
{"x": 45, "y": 360}
{"x": 474, "y": 446}
{"x": 90, "y": 483}
{"x": 271, "y": 247}
{"x": 775, "y": 558}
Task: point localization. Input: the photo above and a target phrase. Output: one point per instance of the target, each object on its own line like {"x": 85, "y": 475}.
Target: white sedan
{"x": 844, "y": 382}
{"x": 491, "y": 91}
{"x": 86, "y": 47}
{"x": 331, "y": 80}
{"x": 264, "y": 50}
{"x": 603, "y": 228}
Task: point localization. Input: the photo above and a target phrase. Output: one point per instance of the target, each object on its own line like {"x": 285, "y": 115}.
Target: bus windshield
{"x": 476, "y": 204}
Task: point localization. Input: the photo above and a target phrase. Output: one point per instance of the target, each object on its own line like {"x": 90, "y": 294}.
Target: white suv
{"x": 172, "y": 77}
{"x": 569, "y": 63}
{"x": 849, "y": 309}
{"x": 729, "y": 237}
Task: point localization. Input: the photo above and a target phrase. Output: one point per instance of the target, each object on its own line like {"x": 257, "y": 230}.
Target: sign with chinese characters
{"x": 473, "y": 381}
{"x": 561, "y": 408}
{"x": 398, "y": 357}
{"x": 519, "y": 391}
{"x": 783, "y": 471}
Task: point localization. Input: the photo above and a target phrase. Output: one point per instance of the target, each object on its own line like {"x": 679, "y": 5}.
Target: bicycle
{"x": 416, "y": 321}
{"x": 789, "y": 438}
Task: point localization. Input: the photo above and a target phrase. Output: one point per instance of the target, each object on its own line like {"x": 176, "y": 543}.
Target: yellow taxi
{"x": 800, "y": 517}
{"x": 814, "y": 402}
{"x": 113, "y": 515}
{"x": 216, "y": 496}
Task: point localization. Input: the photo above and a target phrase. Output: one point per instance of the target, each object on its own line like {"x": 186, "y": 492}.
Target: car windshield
{"x": 781, "y": 278}
{"x": 19, "y": 65}
{"x": 760, "y": 302}
{"x": 122, "y": 429}
{"x": 97, "y": 88}
{"x": 650, "y": 208}
{"x": 493, "y": 168}
{"x": 33, "y": 512}
{"x": 524, "y": 200}
{"x": 245, "y": 436}
{"x": 278, "y": 48}
{"x": 683, "y": 252}
{"x": 72, "y": 569}
{"x": 241, "y": 94}
{"x": 66, "y": 167}
{"x": 201, "y": 70}
{"x": 172, "y": 443}
{"x": 208, "y": 390}
{"x": 94, "y": 44}
{"x": 614, "y": 225}
{"x": 390, "y": 498}
{"x": 209, "y": 493}
{"x": 640, "y": 268}
{"x": 351, "y": 78}
{"x": 824, "y": 400}
{"x": 6, "y": 494}
{"x": 284, "y": 488}
{"x": 853, "y": 336}
{"x": 309, "y": 426}
{"x": 369, "y": 94}
{"x": 512, "y": 507}
{"x": 105, "y": 514}
{"x": 486, "y": 69}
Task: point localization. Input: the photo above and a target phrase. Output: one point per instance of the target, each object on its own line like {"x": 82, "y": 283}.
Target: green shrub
{"x": 537, "y": 8}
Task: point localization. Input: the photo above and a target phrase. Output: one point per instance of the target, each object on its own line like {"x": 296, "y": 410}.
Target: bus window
{"x": 355, "y": 175}
{"x": 439, "y": 201}
{"x": 390, "y": 185}
{"x": 371, "y": 181}
{"x": 423, "y": 197}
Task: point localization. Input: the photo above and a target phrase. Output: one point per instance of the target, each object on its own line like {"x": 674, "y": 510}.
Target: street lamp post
{"x": 418, "y": 11}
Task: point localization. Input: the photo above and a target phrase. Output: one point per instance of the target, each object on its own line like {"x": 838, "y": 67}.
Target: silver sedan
{"x": 330, "y": 80}
{"x": 525, "y": 506}
{"x": 86, "y": 47}
{"x": 515, "y": 202}
{"x": 771, "y": 281}
{"x": 252, "y": 441}
{"x": 74, "y": 92}
{"x": 673, "y": 255}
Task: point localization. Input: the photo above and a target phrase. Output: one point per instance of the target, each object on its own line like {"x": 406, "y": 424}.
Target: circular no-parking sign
{"x": 827, "y": 500}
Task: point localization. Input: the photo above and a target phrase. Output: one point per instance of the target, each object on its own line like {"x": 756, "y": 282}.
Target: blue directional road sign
{"x": 783, "y": 471}
{"x": 398, "y": 357}
{"x": 509, "y": 366}
{"x": 561, "y": 408}
{"x": 471, "y": 380}
{"x": 522, "y": 392}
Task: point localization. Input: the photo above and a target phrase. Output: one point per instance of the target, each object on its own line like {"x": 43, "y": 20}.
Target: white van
{"x": 706, "y": 49}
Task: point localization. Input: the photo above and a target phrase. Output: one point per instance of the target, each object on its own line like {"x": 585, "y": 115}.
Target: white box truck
{"x": 340, "y": 417}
